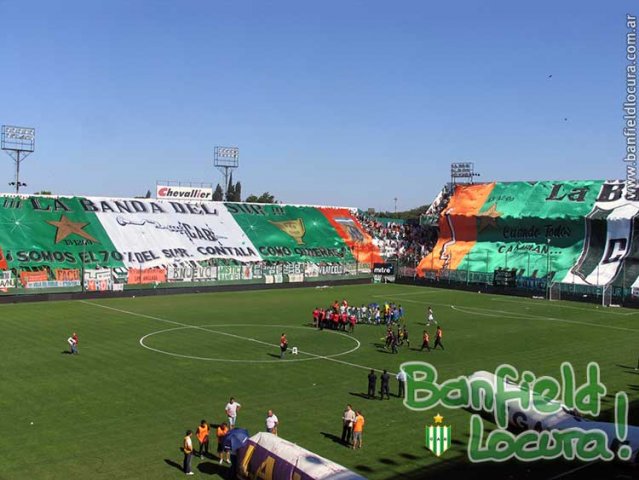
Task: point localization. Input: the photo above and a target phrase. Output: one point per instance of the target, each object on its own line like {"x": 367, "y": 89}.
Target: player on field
{"x": 429, "y": 317}
{"x": 283, "y": 345}
{"x": 406, "y": 337}
{"x": 438, "y": 338}
{"x": 425, "y": 340}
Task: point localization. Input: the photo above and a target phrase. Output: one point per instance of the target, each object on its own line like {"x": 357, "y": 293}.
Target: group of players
{"x": 393, "y": 339}
{"x": 341, "y": 316}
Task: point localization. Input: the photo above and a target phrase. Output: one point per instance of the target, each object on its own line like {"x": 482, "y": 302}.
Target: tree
{"x": 230, "y": 189}
{"x": 237, "y": 192}
{"x": 148, "y": 194}
{"x": 264, "y": 198}
{"x": 218, "y": 194}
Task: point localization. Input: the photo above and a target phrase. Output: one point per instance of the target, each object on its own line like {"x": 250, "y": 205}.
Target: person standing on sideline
{"x": 358, "y": 428}
{"x": 372, "y": 383}
{"x": 231, "y": 412}
{"x": 271, "y": 422}
{"x": 202, "y": 434}
{"x": 385, "y": 379}
{"x": 401, "y": 381}
{"x": 187, "y": 448}
{"x": 438, "y": 338}
{"x": 348, "y": 417}
{"x": 220, "y": 433}
{"x": 425, "y": 340}
{"x": 283, "y": 345}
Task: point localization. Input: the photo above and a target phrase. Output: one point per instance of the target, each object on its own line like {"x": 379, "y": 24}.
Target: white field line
{"x": 549, "y": 304}
{"x": 172, "y": 322}
{"x": 225, "y": 360}
{"x": 523, "y": 316}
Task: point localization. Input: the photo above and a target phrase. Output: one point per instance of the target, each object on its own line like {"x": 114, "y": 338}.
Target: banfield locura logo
{"x": 184, "y": 193}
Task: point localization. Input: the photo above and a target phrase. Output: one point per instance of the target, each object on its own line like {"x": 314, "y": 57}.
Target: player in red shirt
{"x": 316, "y": 317}
{"x": 438, "y": 338}
{"x": 335, "y": 320}
{"x": 353, "y": 320}
{"x": 283, "y": 345}
{"x": 343, "y": 320}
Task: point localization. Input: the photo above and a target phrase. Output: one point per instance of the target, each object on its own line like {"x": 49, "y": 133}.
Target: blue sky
{"x": 330, "y": 102}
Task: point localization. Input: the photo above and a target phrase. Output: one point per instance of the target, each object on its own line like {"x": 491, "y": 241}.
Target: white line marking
{"x": 524, "y": 316}
{"x": 549, "y": 304}
{"x": 202, "y": 327}
{"x": 142, "y": 315}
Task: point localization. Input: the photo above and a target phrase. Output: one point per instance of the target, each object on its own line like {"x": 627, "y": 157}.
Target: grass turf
{"x": 119, "y": 410}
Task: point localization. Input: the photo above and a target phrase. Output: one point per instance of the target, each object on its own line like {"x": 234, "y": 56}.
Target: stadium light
{"x": 225, "y": 159}
{"x": 464, "y": 171}
{"x": 18, "y": 143}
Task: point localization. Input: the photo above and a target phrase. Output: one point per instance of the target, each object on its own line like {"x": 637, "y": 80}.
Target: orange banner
{"x": 62, "y": 274}
{"x": 146, "y": 275}
{"x": 29, "y": 277}
{"x": 360, "y": 242}
{"x": 457, "y": 228}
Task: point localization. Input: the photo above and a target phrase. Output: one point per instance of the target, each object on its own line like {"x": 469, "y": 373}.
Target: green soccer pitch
{"x": 151, "y": 367}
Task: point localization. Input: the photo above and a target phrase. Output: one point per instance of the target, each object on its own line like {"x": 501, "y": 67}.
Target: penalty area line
{"x": 173, "y": 322}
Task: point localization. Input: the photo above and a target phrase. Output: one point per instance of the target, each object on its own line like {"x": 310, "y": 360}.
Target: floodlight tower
{"x": 226, "y": 159}
{"x": 19, "y": 143}
{"x": 462, "y": 172}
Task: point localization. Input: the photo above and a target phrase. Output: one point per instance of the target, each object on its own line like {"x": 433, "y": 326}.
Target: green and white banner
{"x": 580, "y": 232}
{"x": 290, "y": 233}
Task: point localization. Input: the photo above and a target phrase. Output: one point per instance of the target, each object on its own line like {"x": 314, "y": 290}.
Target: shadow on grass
{"x": 361, "y": 395}
{"x": 171, "y": 463}
{"x": 383, "y": 350}
{"x": 628, "y": 367}
{"x": 364, "y": 468}
{"x": 332, "y": 437}
{"x": 65, "y": 352}
{"x": 274, "y": 355}
{"x": 408, "y": 456}
{"x": 387, "y": 461}
{"x": 213, "y": 468}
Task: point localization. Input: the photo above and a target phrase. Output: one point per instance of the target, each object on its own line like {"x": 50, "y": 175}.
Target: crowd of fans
{"x": 406, "y": 242}
{"x": 403, "y": 241}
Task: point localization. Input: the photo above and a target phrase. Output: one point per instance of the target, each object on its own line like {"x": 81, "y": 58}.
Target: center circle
{"x": 303, "y": 351}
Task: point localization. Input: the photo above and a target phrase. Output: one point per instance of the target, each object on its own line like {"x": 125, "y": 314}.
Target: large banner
{"x": 531, "y": 227}
{"x": 289, "y": 233}
{"x": 158, "y": 232}
{"x": 53, "y": 232}
{"x": 349, "y": 228}
{"x": 61, "y": 232}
